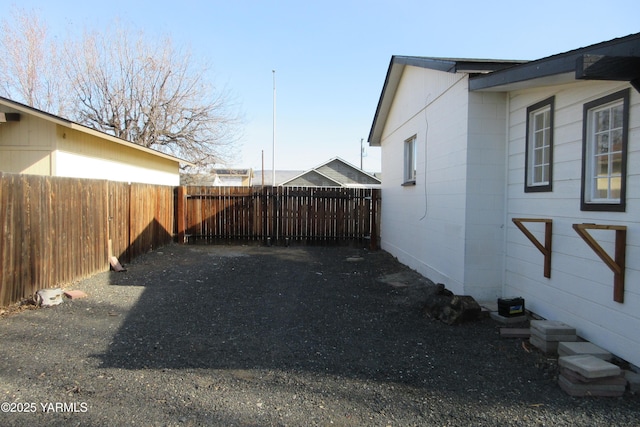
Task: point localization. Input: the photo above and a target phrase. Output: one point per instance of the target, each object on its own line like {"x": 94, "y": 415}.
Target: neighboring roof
{"x": 312, "y": 178}
{"x": 617, "y": 59}
{"x": 450, "y": 65}
{"x": 335, "y": 172}
{"x": 281, "y": 176}
{"x": 233, "y": 172}
{"x": 81, "y": 128}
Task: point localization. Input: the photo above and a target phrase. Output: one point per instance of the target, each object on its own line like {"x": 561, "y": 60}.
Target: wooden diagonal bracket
{"x": 546, "y": 248}
{"x": 617, "y": 264}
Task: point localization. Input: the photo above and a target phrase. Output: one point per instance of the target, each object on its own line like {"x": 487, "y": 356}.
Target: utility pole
{"x": 273, "y": 156}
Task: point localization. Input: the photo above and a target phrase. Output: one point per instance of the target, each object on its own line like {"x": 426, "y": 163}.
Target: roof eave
{"x": 99, "y": 134}
{"x": 384, "y": 102}
{"x": 81, "y": 128}
{"x": 449, "y": 65}
{"x": 562, "y": 68}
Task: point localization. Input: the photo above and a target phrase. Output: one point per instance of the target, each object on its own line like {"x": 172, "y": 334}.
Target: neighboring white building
{"x": 233, "y": 177}
{"x": 38, "y": 143}
{"x": 470, "y": 145}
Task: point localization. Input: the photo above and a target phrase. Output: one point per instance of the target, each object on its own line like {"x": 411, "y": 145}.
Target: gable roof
{"x": 450, "y": 65}
{"x": 617, "y": 59}
{"x": 81, "y": 128}
{"x": 335, "y": 172}
{"x": 312, "y": 178}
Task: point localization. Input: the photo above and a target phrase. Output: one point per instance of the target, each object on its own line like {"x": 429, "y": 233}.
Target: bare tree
{"x": 142, "y": 90}
{"x": 151, "y": 94}
{"x": 29, "y": 64}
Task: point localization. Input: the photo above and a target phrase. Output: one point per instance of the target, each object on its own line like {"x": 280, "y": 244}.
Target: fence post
{"x": 180, "y": 212}
{"x": 375, "y": 197}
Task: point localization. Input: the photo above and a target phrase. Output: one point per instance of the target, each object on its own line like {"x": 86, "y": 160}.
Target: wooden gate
{"x": 279, "y": 215}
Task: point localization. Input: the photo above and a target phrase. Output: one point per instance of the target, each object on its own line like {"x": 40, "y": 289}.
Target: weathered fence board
{"x": 53, "y": 232}
{"x": 57, "y": 230}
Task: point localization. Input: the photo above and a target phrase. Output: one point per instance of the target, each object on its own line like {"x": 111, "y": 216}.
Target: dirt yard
{"x": 274, "y": 336}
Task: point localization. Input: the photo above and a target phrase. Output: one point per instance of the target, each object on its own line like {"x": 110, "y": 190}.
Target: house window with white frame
{"x": 410, "y": 161}
{"x": 605, "y": 132}
{"x": 539, "y": 147}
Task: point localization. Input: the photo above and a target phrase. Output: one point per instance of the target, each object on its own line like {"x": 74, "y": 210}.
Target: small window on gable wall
{"x": 539, "y": 147}
{"x": 409, "y": 169}
{"x": 604, "y": 153}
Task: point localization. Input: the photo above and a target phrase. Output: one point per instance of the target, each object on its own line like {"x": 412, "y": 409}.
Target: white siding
{"x": 423, "y": 226}
{"x": 449, "y": 225}
{"x": 484, "y": 239}
{"x": 580, "y": 290}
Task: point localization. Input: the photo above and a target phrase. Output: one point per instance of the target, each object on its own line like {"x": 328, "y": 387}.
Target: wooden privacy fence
{"x": 279, "y": 215}
{"x": 59, "y": 230}
{"x": 141, "y": 218}
{"x": 53, "y": 231}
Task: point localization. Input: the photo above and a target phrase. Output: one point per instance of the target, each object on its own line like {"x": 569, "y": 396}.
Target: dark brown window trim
{"x": 539, "y": 188}
{"x": 606, "y": 207}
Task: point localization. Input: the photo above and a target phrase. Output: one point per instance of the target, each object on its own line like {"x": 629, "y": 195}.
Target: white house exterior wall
{"x": 424, "y": 225}
{"x": 484, "y": 238}
{"x": 580, "y": 290}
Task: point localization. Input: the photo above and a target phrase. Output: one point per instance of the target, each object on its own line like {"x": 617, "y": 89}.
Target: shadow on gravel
{"x": 304, "y": 309}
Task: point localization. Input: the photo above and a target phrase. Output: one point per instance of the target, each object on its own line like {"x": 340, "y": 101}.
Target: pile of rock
{"x": 451, "y": 309}
{"x": 547, "y": 334}
{"x": 587, "y": 375}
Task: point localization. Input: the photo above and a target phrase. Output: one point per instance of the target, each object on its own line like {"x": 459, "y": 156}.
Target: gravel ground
{"x": 256, "y": 336}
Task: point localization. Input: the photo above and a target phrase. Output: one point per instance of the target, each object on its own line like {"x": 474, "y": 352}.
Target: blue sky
{"x": 331, "y": 57}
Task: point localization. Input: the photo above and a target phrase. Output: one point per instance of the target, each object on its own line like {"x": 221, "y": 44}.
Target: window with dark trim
{"x": 538, "y": 171}
{"x": 604, "y": 153}
{"x": 409, "y": 170}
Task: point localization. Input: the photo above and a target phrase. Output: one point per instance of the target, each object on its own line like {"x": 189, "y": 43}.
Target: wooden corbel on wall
{"x": 617, "y": 265}
{"x": 546, "y": 248}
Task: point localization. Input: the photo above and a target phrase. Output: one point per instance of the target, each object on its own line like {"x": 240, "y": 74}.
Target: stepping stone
{"x": 543, "y": 345}
{"x": 551, "y": 327}
{"x": 573, "y": 348}
{"x": 633, "y": 379}
{"x": 580, "y": 390}
{"x": 575, "y": 377}
{"x": 507, "y": 320}
{"x": 589, "y": 366}
{"x": 553, "y": 337}
{"x": 515, "y": 333}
